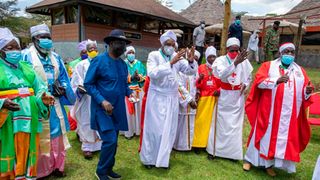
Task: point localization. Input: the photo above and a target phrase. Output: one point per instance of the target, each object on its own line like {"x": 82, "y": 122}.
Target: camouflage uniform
{"x": 271, "y": 44}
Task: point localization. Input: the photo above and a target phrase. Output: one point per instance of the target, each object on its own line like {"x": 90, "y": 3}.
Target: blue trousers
{"x": 108, "y": 151}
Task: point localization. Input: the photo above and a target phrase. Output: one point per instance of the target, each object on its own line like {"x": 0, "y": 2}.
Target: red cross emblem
{"x": 289, "y": 82}
{"x": 233, "y": 75}
{"x": 269, "y": 81}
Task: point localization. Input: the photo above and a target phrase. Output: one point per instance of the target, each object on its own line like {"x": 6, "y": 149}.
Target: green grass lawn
{"x": 187, "y": 165}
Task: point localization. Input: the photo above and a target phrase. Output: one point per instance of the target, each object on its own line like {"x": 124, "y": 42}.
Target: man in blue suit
{"x": 106, "y": 83}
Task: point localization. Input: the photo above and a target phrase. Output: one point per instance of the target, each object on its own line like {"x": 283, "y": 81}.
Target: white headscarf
{"x": 82, "y": 46}
{"x": 286, "y": 46}
{"x": 197, "y": 53}
{"x": 233, "y": 41}
{"x": 89, "y": 42}
{"x": 6, "y": 37}
{"x": 129, "y": 48}
{"x": 210, "y": 51}
{"x": 168, "y": 35}
{"x": 39, "y": 29}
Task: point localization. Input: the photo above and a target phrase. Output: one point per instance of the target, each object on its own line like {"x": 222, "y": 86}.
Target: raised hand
{"x": 178, "y": 57}
{"x": 190, "y": 54}
{"x": 241, "y": 57}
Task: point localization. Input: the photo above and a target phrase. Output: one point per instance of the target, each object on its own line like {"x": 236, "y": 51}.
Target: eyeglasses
{"x": 287, "y": 51}
{"x": 233, "y": 50}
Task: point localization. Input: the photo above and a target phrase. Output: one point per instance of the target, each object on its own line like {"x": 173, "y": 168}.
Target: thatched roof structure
{"x": 149, "y": 8}
{"x": 313, "y": 5}
{"x": 211, "y": 11}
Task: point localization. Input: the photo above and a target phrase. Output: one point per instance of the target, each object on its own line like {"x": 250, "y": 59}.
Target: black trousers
{"x": 200, "y": 49}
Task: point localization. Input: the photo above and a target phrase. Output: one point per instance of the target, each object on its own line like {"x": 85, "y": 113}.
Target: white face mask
{"x": 168, "y": 50}
{"x": 203, "y": 26}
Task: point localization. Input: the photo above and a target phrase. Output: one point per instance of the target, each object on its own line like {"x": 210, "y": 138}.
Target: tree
{"x": 8, "y": 8}
{"x": 165, "y": 3}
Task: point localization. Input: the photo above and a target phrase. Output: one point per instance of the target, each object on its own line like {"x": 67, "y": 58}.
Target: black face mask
{"x": 118, "y": 48}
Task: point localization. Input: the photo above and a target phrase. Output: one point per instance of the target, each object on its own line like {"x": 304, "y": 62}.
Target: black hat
{"x": 277, "y": 23}
{"x": 116, "y": 34}
{"x": 238, "y": 17}
{"x": 202, "y": 22}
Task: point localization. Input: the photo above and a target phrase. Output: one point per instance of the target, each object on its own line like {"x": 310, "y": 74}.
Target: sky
{"x": 253, "y": 7}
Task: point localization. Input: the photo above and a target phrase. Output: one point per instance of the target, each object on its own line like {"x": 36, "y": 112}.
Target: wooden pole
{"x": 263, "y": 33}
{"x": 80, "y": 37}
{"x": 224, "y": 35}
{"x": 299, "y": 36}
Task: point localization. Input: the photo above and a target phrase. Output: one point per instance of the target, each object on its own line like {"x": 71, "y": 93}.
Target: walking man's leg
{"x": 108, "y": 151}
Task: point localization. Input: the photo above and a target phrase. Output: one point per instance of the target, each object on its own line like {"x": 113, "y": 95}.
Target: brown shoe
{"x": 87, "y": 154}
{"x": 271, "y": 172}
{"x": 246, "y": 166}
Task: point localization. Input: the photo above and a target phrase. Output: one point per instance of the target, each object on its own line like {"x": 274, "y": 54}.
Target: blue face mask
{"x": 131, "y": 57}
{"x": 287, "y": 59}
{"x": 238, "y": 22}
{"x": 45, "y": 43}
{"x": 13, "y": 57}
{"x": 84, "y": 56}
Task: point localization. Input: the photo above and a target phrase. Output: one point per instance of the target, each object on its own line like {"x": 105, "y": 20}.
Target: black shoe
{"x": 129, "y": 138}
{"x": 210, "y": 157}
{"x": 148, "y": 166}
{"x": 87, "y": 155}
{"x": 197, "y": 150}
{"x": 114, "y": 175}
{"x": 101, "y": 177}
{"x": 58, "y": 174}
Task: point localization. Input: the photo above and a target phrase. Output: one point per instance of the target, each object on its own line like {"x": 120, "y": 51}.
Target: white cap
{"x": 233, "y": 41}
{"x": 39, "y": 29}
{"x": 168, "y": 35}
{"x": 197, "y": 53}
{"x": 82, "y": 46}
{"x": 286, "y": 46}
{"x": 6, "y": 37}
{"x": 211, "y": 51}
{"x": 129, "y": 48}
{"x": 89, "y": 42}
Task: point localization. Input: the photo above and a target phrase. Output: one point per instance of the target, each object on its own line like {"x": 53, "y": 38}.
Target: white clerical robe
{"x": 162, "y": 108}
{"x": 81, "y": 110}
{"x": 278, "y": 127}
{"x": 230, "y": 107}
{"x": 187, "y": 90}
{"x": 316, "y": 172}
{"x": 134, "y": 117}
